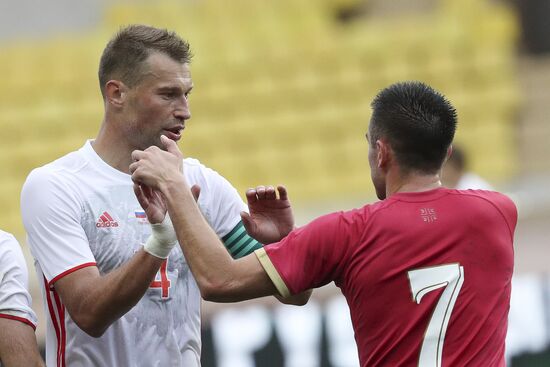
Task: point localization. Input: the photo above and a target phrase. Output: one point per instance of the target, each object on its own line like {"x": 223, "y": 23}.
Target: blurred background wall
{"x": 282, "y": 92}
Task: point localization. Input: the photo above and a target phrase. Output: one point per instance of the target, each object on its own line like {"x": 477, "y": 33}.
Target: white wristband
{"x": 162, "y": 240}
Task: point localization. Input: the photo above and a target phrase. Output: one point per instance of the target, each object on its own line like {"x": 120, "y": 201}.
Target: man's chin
{"x": 158, "y": 142}
{"x": 380, "y": 192}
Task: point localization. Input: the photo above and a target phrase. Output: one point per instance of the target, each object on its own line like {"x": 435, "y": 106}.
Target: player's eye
{"x": 167, "y": 95}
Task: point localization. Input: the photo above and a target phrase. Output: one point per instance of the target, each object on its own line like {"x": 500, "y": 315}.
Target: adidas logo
{"x": 105, "y": 220}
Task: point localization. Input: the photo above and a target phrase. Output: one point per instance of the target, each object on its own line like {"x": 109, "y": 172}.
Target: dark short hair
{"x": 418, "y": 122}
{"x": 124, "y": 55}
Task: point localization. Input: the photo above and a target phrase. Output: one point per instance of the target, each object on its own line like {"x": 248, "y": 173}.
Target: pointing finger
{"x": 170, "y": 145}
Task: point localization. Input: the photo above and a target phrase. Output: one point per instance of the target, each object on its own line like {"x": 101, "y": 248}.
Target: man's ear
{"x": 383, "y": 153}
{"x": 449, "y": 152}
{"x": 115, "y": 92}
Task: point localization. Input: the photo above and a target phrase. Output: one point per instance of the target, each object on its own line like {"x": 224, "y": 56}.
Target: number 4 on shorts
{"x": 423, "y": 281}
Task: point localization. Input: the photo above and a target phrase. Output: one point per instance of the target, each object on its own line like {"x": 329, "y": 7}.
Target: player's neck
{"x": 413, "y": 182}
{"x": 112, "y": 149}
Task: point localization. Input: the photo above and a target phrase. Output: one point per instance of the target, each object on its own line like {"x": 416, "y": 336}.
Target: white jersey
{"x": 15, "y": 300}
{"x": 79, "y": 211}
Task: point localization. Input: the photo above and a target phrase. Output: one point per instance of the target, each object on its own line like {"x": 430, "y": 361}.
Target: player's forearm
{"x": 18, "y": 345}
{"x": 209, "y": 261}
{"x": 106, "y": 299}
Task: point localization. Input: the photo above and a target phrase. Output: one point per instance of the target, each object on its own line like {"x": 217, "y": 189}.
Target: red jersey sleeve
{"x": 313, "y": 255}
{"x": 505, "y": 206}
{"x": 509, "y": 212}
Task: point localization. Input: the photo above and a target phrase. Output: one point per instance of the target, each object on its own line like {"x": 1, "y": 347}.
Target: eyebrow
{"x": 170, "y": 89}
{"x": 174, "y": 89}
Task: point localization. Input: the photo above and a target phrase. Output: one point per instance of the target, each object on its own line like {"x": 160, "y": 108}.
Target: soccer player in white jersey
{"x": 117, "y": 292}
{"x": 17, "y": 319}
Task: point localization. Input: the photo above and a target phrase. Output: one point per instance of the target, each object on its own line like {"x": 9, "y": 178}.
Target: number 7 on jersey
{"x": 423, "y": 281}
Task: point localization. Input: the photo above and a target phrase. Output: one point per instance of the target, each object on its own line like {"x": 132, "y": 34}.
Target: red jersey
{"x": 427, "y": 275}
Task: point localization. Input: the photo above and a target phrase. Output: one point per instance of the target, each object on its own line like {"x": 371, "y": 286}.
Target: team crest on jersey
{"x": 428, "y": 215}
{"x": 105, "y": 220}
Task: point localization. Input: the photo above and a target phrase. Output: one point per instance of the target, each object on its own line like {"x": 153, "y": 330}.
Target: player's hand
{"x": 271, "y": 217}
{"x": 152, "y": 203}
{"x": 154, "y": 167}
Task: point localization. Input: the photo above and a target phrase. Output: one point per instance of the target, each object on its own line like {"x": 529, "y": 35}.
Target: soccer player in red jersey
{"x": 426, "y": 271}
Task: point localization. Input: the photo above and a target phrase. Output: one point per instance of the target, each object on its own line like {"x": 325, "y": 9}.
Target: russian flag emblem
{"x": 141, "y": 216}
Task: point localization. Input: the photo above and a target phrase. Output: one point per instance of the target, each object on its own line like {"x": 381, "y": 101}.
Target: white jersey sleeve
{"x": 219, "y": 201}
{"x": 51, "y": 211}
{"x": 15, "y": 300}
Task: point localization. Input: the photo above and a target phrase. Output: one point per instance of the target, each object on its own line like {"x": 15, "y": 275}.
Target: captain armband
{"x": 239, "y": 243}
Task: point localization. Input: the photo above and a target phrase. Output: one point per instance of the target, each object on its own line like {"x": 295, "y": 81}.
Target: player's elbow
{"x": 229, "y": 283}
{"x": 212, "y": 291}
{"x": 209, "y": 296}
{"x": 90, "y": 325}
{"x": 300, "y": 299}
{"x": 295, "y": 302}
{"x": 215, "y": 290}
{"x": 94, "y": 331}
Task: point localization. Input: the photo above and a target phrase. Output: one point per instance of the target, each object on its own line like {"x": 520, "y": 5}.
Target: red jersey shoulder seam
{"x": 376, "y": 208}
{"x": 493, "y": 205}
{"x": 387, "y": 204}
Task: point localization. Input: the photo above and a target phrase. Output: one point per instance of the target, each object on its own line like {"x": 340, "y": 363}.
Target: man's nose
{"x": 182, "y": 111}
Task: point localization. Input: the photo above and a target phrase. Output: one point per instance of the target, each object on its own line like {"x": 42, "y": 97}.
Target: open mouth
{"x": 174, "y": 133}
